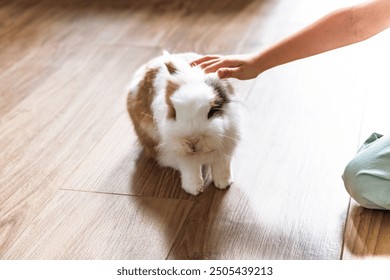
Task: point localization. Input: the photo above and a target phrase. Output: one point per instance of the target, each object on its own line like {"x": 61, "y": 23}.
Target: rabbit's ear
{"x": 166, "y": 53}
{"x": 171, "y": 88}
{"x": 220, "y": 88}
{"x": 168, "y": 61}
{"x": 171, "y": 67}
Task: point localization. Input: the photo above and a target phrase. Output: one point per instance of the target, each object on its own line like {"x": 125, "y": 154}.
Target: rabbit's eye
{"x": 214, "y": 111}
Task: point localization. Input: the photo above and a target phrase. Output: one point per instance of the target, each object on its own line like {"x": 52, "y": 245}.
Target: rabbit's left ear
{"x": 172, "y": 69}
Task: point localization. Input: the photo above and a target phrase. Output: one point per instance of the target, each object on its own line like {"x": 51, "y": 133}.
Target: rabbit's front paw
{"x": 193, "y": 188}
{"x": 223, "y": 183}
{"x": 221, "y": 172}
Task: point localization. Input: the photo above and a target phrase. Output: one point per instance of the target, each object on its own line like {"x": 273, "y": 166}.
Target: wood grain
{"x": 77, "y": 225}
{"x": 50, "y": 131}
{"x": 367, "y": 234}
{"x": 74, "y": 183}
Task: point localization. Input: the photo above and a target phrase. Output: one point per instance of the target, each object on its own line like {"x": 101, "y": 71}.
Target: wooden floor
{"x": 74, "y": 183}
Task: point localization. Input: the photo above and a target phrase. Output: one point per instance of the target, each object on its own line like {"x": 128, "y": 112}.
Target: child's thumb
{"x": 224, "y": 73}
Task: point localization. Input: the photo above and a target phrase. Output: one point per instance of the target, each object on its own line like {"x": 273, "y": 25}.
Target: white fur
{"x": 216, "y": 136}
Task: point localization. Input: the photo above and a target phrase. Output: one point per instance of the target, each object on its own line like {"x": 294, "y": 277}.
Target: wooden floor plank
{"x": 62, "y": 29}
{"x": 178, "y": 25}
{"x": 77, "y": 225}
{"x": 367, "y": 234}
{"x": 51, "y": 131}
{"x": 376, "y": 113}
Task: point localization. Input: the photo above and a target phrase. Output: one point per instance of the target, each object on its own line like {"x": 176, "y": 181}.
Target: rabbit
{"x": 185, "y": 119}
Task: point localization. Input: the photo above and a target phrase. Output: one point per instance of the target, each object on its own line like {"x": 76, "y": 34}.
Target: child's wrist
{"x": 258, "y": 63}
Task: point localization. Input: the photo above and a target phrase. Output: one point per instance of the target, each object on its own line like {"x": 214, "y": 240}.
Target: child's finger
{"x": 221, "y": 63}
{"x": 209, "y": 63}
{"x": 204, "y": 59}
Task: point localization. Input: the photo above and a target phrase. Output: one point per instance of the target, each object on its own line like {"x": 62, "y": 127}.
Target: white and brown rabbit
{"x": 185, "y": 118}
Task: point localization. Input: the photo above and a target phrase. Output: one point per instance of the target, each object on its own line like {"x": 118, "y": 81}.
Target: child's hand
{"x": 242, "y": 67}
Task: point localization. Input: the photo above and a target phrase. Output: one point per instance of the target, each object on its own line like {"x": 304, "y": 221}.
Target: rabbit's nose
{"x": 192, "y": 142}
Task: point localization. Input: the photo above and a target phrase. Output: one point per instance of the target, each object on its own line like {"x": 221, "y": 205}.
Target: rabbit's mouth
{"x": 199, "y": 153}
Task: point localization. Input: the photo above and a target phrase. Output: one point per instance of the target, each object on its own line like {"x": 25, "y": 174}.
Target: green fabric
{"x": 367, "y": 176}
{"x": 373, "y": 137}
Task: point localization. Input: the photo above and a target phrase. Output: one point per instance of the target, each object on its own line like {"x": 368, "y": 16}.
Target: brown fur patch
{"x": 170, "y": 90}
{"x": 140, "y": 111}
{"x": 222, "y": 92}
{"x": 171, "y": 68}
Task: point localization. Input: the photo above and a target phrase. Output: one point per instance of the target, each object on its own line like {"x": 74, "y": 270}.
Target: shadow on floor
{"x": 368, "y": 234}
{"x": 150, "y": 180}
{"x": 217, "y": 222}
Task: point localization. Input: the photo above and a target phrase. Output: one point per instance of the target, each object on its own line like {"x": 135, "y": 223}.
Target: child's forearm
{"x": 338, "y": 29}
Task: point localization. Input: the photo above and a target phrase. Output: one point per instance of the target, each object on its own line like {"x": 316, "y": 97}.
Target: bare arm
{"x": 337, "y": 29}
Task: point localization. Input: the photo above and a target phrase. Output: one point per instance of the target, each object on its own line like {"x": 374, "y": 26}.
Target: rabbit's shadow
{"x": 217, "y": 224}
{"x": 150, "y": 181}
{"x": 197, "y": 232}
